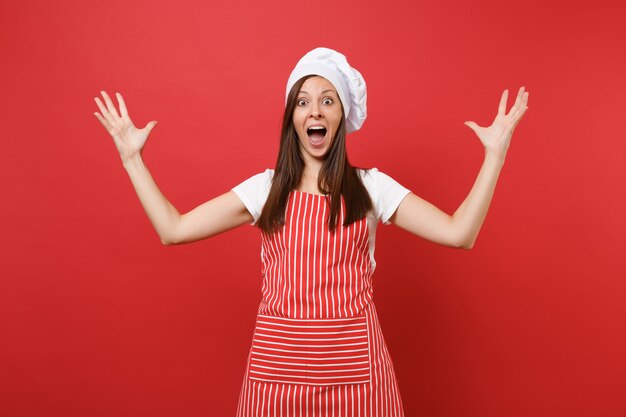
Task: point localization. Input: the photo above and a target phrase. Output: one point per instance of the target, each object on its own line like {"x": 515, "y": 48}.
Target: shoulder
{"x": 268, "y": 174}
{"x": 260, "y": 180}
{"x": 254, "y": 191}
{"x": 366, "y": 173}
{"x": 371, "y": 178}
{"x": 385, "y": 192}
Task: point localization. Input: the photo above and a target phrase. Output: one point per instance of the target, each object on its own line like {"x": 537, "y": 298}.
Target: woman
{"x": 317, "y": 344}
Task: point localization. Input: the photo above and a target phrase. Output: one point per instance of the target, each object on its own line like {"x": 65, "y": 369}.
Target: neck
{"x": 312, "y": 167}
{"x": 311, "y": 172}
{"x": 308, "y": 181}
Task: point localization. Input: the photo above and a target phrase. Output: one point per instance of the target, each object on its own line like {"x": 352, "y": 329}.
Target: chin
{"x": 317, "y": 153}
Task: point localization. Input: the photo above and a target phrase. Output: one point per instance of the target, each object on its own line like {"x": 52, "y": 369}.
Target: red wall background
{"x": 97, "y": 318}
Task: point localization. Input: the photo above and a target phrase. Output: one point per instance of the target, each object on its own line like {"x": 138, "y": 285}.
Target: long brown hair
{"x": 336, "y": 178}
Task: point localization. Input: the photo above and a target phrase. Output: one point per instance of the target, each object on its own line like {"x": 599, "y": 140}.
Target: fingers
{"x": 525, "y": 99}
{"x": 104, "y": 122}
{"x": 120, "y": 100}
{"x": 521, "y": 104}
{"x": 519, "y": 101}
{"x": 110, "y": 105}
{"x": 108, "y": 114}
{"x": 503, "y": 100}
{"x": 150, "y": 126}
{"x": 523, "y": 107}
{"x": 472, "y": 126}
{"x": 105, "y": 113}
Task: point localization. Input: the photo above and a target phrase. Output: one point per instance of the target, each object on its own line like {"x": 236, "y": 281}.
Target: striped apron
{"x": 317, "y": 349}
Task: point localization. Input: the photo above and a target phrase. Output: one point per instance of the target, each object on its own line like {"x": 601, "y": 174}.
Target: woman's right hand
{"x": 128, "y": 139}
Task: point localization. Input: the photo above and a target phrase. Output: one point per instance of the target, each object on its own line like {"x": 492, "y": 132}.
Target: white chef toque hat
{"x": 348, "y": 82}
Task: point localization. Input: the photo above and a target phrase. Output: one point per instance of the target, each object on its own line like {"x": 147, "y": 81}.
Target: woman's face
{"x": 316, "y": 117}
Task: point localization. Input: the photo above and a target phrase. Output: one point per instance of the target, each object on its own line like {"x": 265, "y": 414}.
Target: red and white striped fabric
{"x": 318, "y": 349}
{"x": 310, "y": 352}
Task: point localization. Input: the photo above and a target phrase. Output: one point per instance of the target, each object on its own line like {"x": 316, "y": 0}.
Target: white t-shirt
{"x": 385, "y": 193}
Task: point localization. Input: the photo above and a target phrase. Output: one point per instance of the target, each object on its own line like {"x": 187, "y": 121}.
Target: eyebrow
{"x": 323, "y": 92}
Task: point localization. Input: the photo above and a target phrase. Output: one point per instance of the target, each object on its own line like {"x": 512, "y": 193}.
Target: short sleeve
{"x": 385, "y": 192}
{"x": 253, "y": 192}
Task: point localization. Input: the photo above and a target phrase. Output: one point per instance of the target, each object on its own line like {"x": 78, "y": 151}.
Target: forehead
{"x": 317, "y": 84}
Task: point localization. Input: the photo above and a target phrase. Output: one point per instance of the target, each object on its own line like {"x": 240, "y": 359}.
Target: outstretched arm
{"x": 218, "y": 215}
{"x": 215, "y": 216}
{"x": 461, "y": 229}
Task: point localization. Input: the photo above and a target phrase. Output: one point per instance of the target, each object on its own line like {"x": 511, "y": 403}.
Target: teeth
{"x": 317, "y": 127}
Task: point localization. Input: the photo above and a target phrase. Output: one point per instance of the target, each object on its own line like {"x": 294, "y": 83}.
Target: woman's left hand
{"x": 496, "y": 138}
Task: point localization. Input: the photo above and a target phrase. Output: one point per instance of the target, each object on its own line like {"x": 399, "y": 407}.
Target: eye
{"x": 301, "y": 102}
{"x": 327, "y": 101}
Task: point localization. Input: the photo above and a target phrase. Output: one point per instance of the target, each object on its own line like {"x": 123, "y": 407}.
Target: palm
{"x": 128, "y": 139}
{"x": 497, "y": 137}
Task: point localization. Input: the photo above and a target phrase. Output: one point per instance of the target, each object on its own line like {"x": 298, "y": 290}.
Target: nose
{"x": 316, "y": 112}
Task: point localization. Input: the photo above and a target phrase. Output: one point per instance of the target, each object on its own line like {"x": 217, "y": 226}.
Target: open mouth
{"x": 316, "y": 133}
